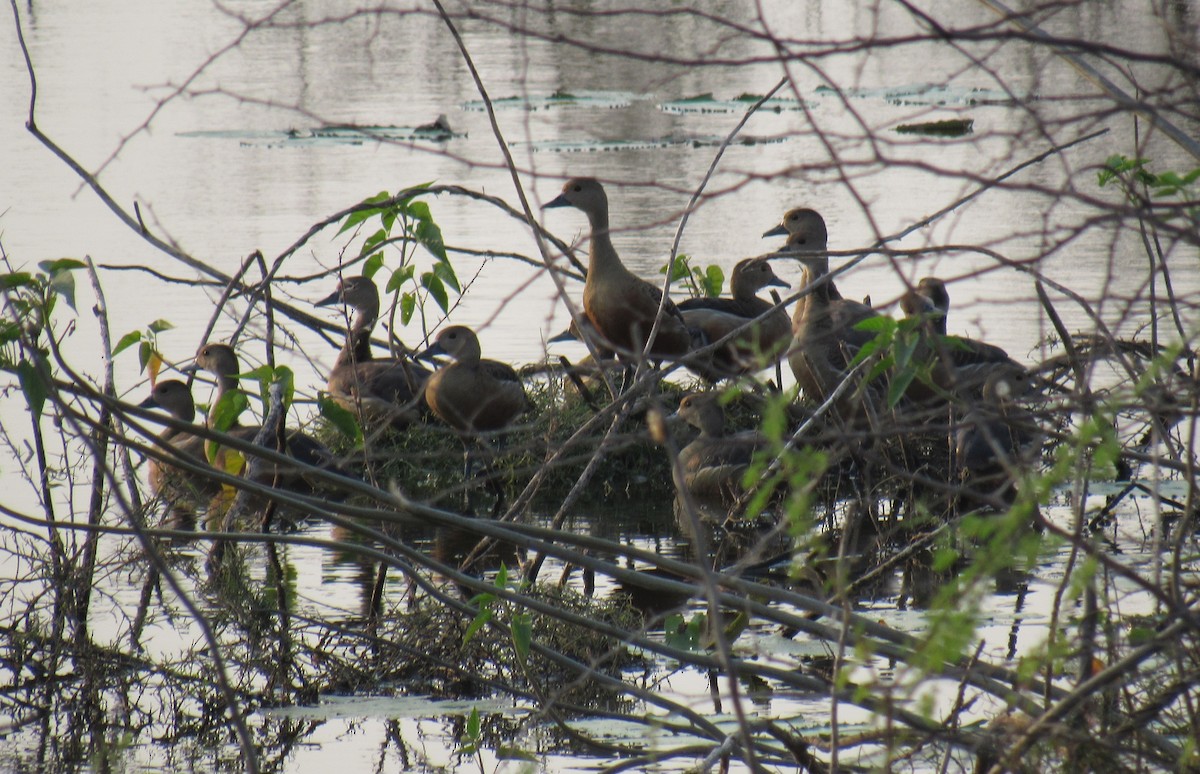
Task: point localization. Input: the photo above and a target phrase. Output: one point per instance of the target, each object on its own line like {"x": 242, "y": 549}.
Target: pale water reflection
{"x": 200, "y": 134}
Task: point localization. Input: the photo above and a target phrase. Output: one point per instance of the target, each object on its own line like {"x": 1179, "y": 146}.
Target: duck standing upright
{"x": 384, "y": 392}
{"x": 621, "y": 305}
{"x": 824, "y": 339}
{"x": 811, "y": 234}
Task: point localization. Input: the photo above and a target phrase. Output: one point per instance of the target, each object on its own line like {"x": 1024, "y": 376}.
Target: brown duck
{"x": 380, "y": 392}
{"x": 182, "y": 490}
{"x": 814, "y": 236}
{"x": 222, "y": 362}
{"x": 471, "y": 394}
{"x": 621, "y": 305}
{"x": 760, "y": 342}
{"x": 824, "y": 339}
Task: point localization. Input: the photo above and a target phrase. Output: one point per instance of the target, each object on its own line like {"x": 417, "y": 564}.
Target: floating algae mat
{"x": 927, "y": 94}
{"x": 670, "y": 141}
{"x": 438, "y": 131}
{"x": 952, "y": 127}
{"x": 559, "y": 99}
{"x": 706, "y": 103}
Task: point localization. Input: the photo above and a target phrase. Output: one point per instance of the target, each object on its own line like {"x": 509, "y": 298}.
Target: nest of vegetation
{"x": 428, "y": 649}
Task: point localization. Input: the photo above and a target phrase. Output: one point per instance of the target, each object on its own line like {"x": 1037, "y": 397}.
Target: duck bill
{"x": 779, "y": 230}
{"x": 430, "y": 352}
{"x": 567, "y": 335}
{"x": 330, "y": 299}
{"x": 149, "y": 403}
{"x": 558, "y": 201}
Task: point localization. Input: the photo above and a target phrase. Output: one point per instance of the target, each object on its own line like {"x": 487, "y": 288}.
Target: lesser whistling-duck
{"x": 387, "y": 391}
{"x": 471, "y": 394}
{"x": 222, "y": 362}
{"x": 182, "y": 490}
{"x": 824, "y": 339}
{"x": 809, "y": 223}
{"x": 621, "y": 305}
{"x": 962, "y": 365}
{"x": 763, "y": 331}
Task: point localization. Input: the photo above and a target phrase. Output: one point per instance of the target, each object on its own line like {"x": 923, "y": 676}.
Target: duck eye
{"x": 578, "y": 188}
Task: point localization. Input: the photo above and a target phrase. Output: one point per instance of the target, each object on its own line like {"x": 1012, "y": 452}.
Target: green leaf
{"x": 158, "y": 326}
{"x": 522, "y": 634}
{"x": 358, "y": 216}
{"x": 905, "y": 348}
{"x": 63, "y": 283}
{"x": 372, "y": 265}
{"x": 399, "y": 277}
{"x": 16, "y": 279}
{"x": 127, "y": 341}
{"x": 879, "y": 324}
{"x": 373, "y": 241}
{"x": 899, "y": 385}
{"x": 33, "y": 386}
{"x": 434, "y": 285}
{"x": 445, "y": 273}
{"x": 408, "y": 305}
{"x": 61, "y": 265}
{"x": 684, "y": 635}
{"x": 225, "y": 413}
{"x": 679, "y": 269}
{"x": 145, "y": 352}
{"x": 474, "y": 724}
{"x": 430, "y": 235}
{"x": 418, "y": 210}
{"x": 286, "y": 379}
{"x": 480, "y": 621}
{"x": 714, "y": 281}
{"x": 341, "y": 418}
{"x": 388, "y": 218}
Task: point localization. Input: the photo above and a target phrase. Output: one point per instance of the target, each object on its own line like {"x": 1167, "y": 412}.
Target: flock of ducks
{"x": 628, "y": 318}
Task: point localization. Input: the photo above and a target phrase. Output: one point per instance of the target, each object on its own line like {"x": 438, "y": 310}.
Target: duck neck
{"x": 357, "y": 348}
{"x": 712, "y": 424}
{"x": 226, "y": 382}
{"x": 822, "y": 291}
{"x": 603, "y": 256}
{"x": 743, "y": 293}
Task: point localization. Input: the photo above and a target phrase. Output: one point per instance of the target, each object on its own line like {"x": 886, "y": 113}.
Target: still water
{"x": 202, "y": 115}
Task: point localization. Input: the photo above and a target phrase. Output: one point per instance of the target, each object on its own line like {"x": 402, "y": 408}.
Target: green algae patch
{"x": 951, "y": 127}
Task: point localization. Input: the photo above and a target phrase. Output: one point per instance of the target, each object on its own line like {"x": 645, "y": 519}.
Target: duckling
{"x": 621, "y": 305}
{"x": 379, "y": 392}
{"x": 824, "y": 339}
{"x": 181, "y": 489}
{"x": 472, "y": 395}
{"x": 758, "y": 345}
{"x": 808, "y": 222}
